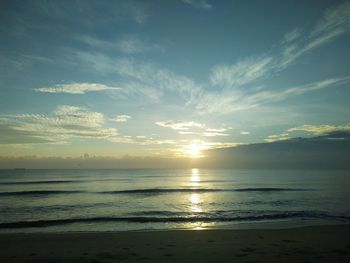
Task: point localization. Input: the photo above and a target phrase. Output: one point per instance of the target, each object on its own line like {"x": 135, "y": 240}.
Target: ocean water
{"x": 122, "y": 200}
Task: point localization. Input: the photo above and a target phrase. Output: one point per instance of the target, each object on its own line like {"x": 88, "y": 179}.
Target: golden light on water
{"x": 196, "y": 203}
{"x": 195, "y": 197}
{"x": 195, "y": 179}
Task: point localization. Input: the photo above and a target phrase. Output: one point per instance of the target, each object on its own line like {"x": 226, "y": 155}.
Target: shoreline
{"x": 326, "y": 243}
{"x": 254, "y": 225}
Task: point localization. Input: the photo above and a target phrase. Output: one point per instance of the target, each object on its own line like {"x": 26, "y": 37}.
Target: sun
{"x": 193, "y": 150}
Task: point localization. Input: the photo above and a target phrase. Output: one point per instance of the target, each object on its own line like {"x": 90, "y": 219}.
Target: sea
{"x": 144, "y": 200}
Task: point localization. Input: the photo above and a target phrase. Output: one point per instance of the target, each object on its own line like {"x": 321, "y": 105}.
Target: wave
{"x": 149, "y": 191}
{"x": 197, "y": 190}
{"x": 179, "y": 219}
{"x": 267, "y": 189}
{"x": 39, "y": 192}
{"x": 39, "y": 182}
{"x": 62, "y": 181}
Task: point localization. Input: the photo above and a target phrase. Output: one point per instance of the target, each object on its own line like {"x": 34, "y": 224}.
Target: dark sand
{"x": 306, "y": 244}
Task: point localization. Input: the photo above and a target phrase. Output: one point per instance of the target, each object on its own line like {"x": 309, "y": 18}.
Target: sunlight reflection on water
{"x": 195, "y": 177}
{"x": 195, "y": 199}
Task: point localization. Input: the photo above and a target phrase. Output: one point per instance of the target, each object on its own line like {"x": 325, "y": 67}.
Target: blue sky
{"x": 145, "y": 78}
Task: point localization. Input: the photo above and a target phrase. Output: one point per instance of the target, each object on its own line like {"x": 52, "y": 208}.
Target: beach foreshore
{"x": 302, "y": 244}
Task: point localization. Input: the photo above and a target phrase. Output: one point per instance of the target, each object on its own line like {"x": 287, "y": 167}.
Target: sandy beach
{"x": 304, "y": 244}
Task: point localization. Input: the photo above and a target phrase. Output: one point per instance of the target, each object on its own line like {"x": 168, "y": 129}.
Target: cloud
{"x": 188, "y": 133}
{"x": 213, "y": 134}
{"x": 336, "y": 19}
{"x": 185, "y": 147}
{"x": 60, "y": 20}
{"x": 321, "y": 129}
{"x": 183, "y": 128}
{"x": 292, "y": 35}
{"x": 120, "y": 118}
{"x": 64, "y": 123}
{"x": 276, "y": 95}
{"x": 231, "y": 87}
{"x": 140, "y": 79}
{"x": 179, "y": 125}
{"x": 335, "y": 23}
{"x": 230, "y": 101}
{"x": 241, "y": 73}
{"x": 201, "y": 4}
{"x": 131, "y": 44}
{"x": 75, "y": 88}
{"x": 234, "y": 87}
{"x": 216, "y": 130}
{"x": 277, "y": 137}
{"x": 245, "y": 132}
{"x": 128, "y": 44}
{"x": 68, "y": 122}
{"x": 10, "y": 135}
{"x": 137, "y": 10}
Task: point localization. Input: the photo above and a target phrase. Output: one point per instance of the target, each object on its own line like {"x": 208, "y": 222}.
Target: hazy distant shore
{"x": 305, "y": 244}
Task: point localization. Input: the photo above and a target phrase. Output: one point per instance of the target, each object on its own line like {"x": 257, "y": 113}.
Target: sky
{"x": 169, "y": 78}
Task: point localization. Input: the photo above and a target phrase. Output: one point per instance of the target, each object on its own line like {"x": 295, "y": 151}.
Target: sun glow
{"x": 193, "y": 150}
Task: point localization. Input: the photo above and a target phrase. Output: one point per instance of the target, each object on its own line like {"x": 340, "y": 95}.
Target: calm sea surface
{"x": 118, "y": 200}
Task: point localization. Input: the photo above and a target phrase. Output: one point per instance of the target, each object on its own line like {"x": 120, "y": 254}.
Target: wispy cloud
{"x": 193, "y": 128}
{"x": 230, "y": 101}
{"x": 214, "y": 134}
{"x": 128, "y": 44}
{"x": 131, "y": 44}
{"x": 75, "y": 88}
{"x": 241, "y": 73}
{"x": 335, "y": 23}
{"x": 292, "y": 35}
{"x": 120, "y": 118}
{"x": 60, "y": 17}
{"x": 216, "y": 130}
{"x": 277, "y": 137}
{"x": 321, "y": 129}
{"x": 179, "y": 125}
{"x": 202, "y": 4}
{"x": 266, "y": 96}
{"x": 141, "y": 79}
{"x": 245, "y": 132}
{"x": 336, "y": 19}
{"x": 236, "y": 86}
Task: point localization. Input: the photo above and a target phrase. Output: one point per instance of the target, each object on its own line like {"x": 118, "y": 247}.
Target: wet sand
{"x": 305, "y": 244}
